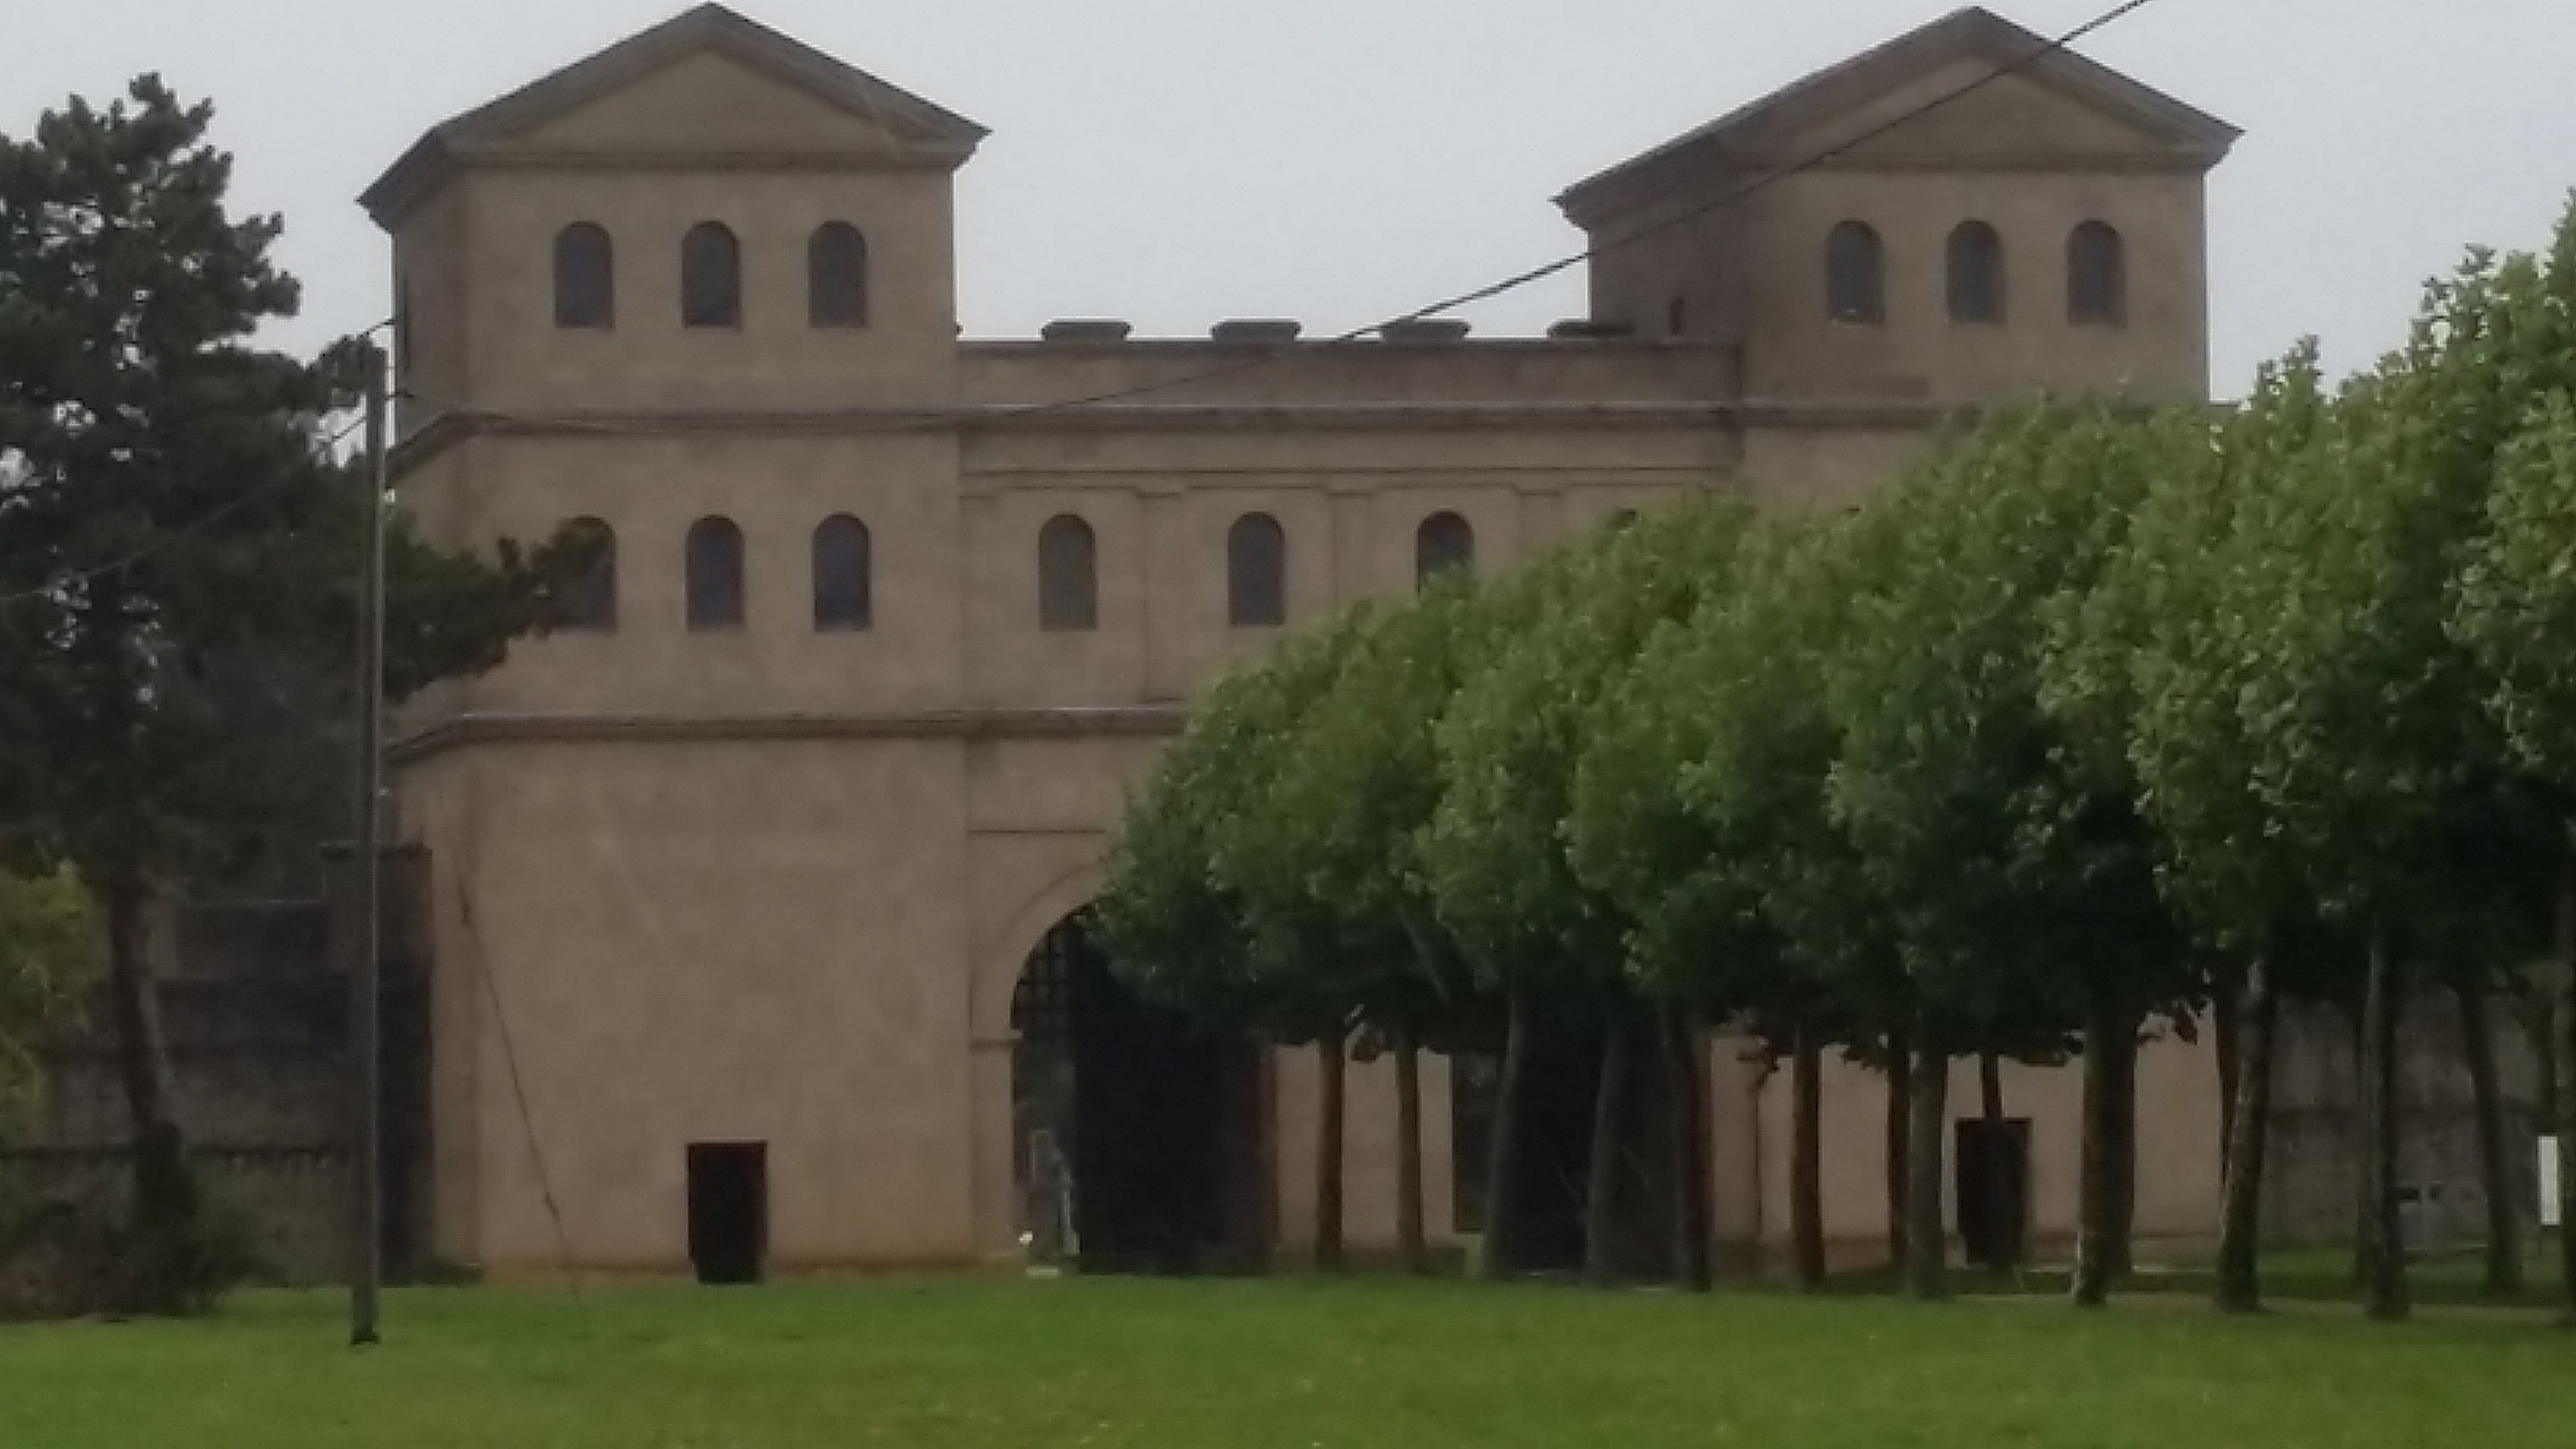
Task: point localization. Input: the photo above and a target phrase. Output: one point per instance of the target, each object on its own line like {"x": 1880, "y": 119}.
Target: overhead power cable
{"x": 171, "y": 537}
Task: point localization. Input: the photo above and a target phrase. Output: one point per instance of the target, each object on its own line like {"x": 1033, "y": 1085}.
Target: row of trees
{"x": 179, "y": 558}
{"x": 2102, "y": 718}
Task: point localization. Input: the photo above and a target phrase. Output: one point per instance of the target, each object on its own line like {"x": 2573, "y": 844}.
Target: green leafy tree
{"x": 1368, "y": 785}
{"x": 178, "y": 551}
{"x": 47, "y": 944}
{"x": 2019, "y": 878}
{"x": 1338, "y": 837}
{"x": 1699, "y": 810}
{"x": 2375, "y": 760}
{"x": 1192, "y": 919}
{"x": 2155, "y": 665}
{"x": 2516, "y": 608}
{"x": 1496, "y": 848}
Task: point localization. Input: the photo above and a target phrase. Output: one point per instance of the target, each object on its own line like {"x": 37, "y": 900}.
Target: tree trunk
{"x": 2495, "y": 1169}
{"x": 2124, "y": 1150}
{"x": 1601, "y": 1194}
{"x": 1927, "y": 1246}
{"x": 2240, "y": 1231}
{"x": 2362, "y": 1219}
{"x": 1333, "y": 1061}
{"x": 1806, "y": 1163}
{"x": 2565, "y": 1016}
{"x": 2097, "y": 1180}
{"x": 1998, "y": 1185}
{"x": 1900, "y": 1157}
{"x": 165, "y": 1191}
{"x": 2383, "y": 1248}
{"x": 2227, "y": 1031}
{"x": 1690, "y": 1155}
{"x": 1408, "y": 1154}
{"x": 1502, "y": 1154}
{"x": 2540, "y": 1031}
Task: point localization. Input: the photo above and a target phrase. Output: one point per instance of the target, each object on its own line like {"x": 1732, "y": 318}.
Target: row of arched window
{"x": 2097, "y": 275}
{"x": 712, "y": 565}
{"x": 836, "y": 276}
{"x": 1068, "y": 572}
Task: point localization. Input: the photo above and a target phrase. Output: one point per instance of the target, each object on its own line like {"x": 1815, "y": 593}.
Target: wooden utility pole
{"x": 366, "y": 1027}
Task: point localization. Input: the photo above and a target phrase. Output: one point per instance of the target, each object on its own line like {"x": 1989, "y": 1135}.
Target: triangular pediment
{"x": 1970, "y": 88}
{"x": 715, "y": 102}
{"x": 709, "y": 82}
{"x": 1966, "y": 112}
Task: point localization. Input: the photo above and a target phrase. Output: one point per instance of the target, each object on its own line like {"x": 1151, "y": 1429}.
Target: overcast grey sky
{"x": 1179, "y": 161}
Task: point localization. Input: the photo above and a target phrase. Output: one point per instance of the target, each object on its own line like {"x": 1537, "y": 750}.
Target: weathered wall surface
{"x": 2312, "y": 1169}
{"x": 256, "y": 1010}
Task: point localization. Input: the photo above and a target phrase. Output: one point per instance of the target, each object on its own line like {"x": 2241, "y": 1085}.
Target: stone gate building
{"x": 734, "y": 889}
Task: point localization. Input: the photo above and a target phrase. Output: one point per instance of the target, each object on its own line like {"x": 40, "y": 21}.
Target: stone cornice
{"x": 1667, "y": 191}
{"x": 769, "y": 159}
{"x": 1148, "y": 721}
{"x": 2114, "y": 163}
{"x": 448, "y": 430}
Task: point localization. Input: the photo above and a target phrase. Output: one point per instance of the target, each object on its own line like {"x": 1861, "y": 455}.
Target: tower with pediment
{"x": 759, "y": 891}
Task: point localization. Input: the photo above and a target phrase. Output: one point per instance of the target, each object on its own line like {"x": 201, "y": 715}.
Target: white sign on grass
{"x": 2549, "y": 1204}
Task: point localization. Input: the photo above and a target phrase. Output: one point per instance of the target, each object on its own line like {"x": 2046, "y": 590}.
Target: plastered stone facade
{"x": 778, "y": 884}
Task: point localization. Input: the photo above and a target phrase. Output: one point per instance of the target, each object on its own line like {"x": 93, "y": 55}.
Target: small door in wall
{"x": 1993, "y": 1179}
{"x": 728, "y": 1210}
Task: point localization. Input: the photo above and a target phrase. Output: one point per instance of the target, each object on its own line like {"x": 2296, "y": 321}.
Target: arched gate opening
{"x": 1138, "y": 1133}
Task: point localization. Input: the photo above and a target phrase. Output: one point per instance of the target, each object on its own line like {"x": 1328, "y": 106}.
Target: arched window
{"x": 710, "y": 277}
{"x": 1976, "y": 273}
{"x": 587, "y": 603}
{"x": 2097, "y": 276}
{"x": 1445, "y": 541}
{"x": 1256, "y": 573}
{"x": 1855, "y": 274}
{"x": 842, "y": 567}
{"x": 836, "y": 276}
{"x": 1068, "y": 576}
{"x": 714, "y": 574}
{"x": 585, "y": 277}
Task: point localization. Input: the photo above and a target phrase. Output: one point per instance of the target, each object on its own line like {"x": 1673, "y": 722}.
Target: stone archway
{"x": 1138, "y": 1139}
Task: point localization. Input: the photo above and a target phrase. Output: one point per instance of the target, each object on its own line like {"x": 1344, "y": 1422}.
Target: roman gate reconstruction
{"x": 757, "y": 898}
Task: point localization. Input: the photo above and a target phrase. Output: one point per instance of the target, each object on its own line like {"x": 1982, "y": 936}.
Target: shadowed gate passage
{"x": 1136, "y": 1131}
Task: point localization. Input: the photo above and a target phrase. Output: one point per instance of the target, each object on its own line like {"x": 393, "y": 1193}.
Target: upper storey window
{"x": 2097, "y": 276}
{"x": 585, "y": 277}
{"x": 1444, "y": 542}
{"x": 710, "y": 277}
{"x": 1068, "y": 576}
{"x": 1856, "y": 275}
{"x": 842, "y": 557}
{"x": 1256, "y": 573}
{"x": 713, "y": 568}
{"x": 1976, "y": 273}
{"x": 836, "y": 276}
{"x": 588, "y": 603}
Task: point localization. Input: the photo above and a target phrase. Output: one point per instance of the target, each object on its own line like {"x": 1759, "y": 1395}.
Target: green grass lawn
{"x": 1289, "y": 1363}
{"x": 2451, "y": 1277}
